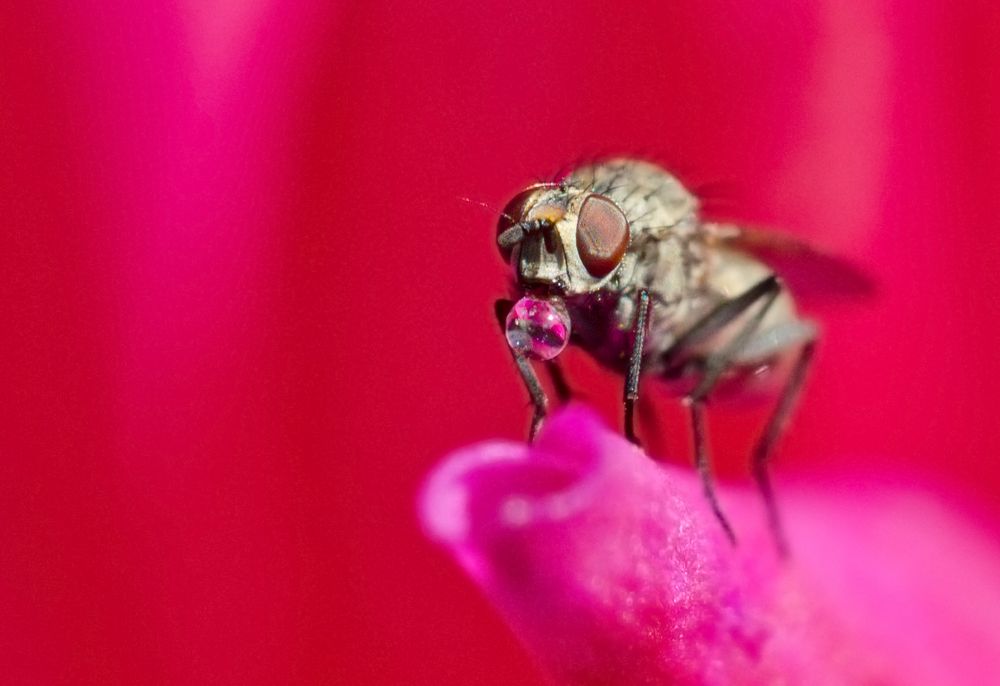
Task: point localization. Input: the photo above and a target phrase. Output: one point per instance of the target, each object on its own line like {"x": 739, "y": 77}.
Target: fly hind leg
{"x": 794, "y": 333}
{"x": 762, "y": 295}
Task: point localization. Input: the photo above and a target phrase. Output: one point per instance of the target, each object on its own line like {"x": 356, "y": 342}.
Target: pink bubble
{"x": 538, "y": 328}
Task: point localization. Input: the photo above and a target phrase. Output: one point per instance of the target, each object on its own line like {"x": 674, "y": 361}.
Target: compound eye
{"x": 514, "y": 212}
{"x": 601, "y": 235}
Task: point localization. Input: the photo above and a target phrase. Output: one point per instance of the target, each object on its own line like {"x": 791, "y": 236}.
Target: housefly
{"x": 616, "y": 259}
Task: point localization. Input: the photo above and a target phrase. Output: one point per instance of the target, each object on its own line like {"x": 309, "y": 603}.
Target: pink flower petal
{"x": 612, "y": 569}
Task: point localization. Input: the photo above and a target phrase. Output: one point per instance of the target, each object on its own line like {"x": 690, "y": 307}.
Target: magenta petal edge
{"x": 611, "y": 569}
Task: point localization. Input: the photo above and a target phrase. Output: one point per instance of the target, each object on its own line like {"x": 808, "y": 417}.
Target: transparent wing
{"x": 809, "y": 271}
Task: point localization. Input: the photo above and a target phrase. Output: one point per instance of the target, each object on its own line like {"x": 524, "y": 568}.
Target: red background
{"x": 245, "y": 310}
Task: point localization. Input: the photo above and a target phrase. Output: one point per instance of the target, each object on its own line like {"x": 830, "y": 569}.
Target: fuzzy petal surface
{"x": 612, "y": 570}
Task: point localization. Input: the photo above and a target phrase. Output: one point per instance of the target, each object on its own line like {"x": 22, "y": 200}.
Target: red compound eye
{"x": 601, "y": 235}
{"x": 514, "y": 211}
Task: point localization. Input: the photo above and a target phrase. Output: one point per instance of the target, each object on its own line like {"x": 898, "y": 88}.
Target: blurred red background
{"x": 245, "y": 310}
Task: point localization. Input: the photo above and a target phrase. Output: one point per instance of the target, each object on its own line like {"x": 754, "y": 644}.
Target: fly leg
{"x": 764, "y": 293}
{"x": 535, "y": 390}
{"x": 635, "y": 363}
{"x": 559, "y": 383}
{"x": 761, "y": 455}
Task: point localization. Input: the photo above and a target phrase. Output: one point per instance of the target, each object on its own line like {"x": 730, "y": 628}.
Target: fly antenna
{"x": 511, "y": 237}
{"x": 516, "y": 233}
{"x": 486, "y": 206}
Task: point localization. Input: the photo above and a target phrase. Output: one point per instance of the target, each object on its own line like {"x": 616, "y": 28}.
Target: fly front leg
{"x": 562, "y": 388}
{"x": 631, "y": 394}
{"x": 763, "y": 294}
{"x": 538, "y": 398}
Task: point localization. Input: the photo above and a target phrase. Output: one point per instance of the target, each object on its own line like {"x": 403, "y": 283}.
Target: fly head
{"x": 563, "y": 240}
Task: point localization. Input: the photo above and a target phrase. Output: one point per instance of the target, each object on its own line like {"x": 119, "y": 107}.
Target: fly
{"x": 617, "y": 259}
